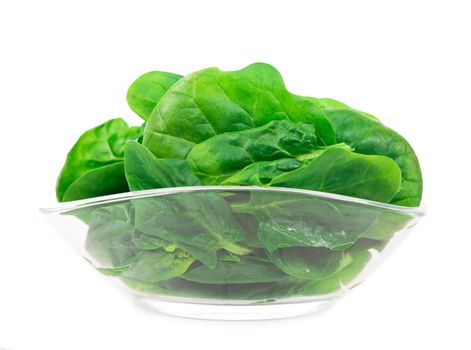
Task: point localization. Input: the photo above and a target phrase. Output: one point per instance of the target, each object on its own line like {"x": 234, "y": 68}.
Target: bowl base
{"x": 235, "y": 312}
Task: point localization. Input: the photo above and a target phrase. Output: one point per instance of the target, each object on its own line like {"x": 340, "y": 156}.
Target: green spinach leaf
{"x": 195, "y": 222}
{"x": 145, "y": 171}
{"x": 368, "y": 136}
{"x": 158, "y": 265}
{"x": 262, "y": 173}
{"x": 297, "y": 221}
{"x": 343, "y": 172}
{"x": 221, "y": 156}
{"x": 330, "y": 103}
{"x": 107, "y": 179}
{"x": 146, "y": 242}
{"x": 247, "y": 270}
{"x": 96, "y": 148}
{"x": 210, "y": 102}
{"x": 109, "y": 238}
{"x": 360, "y": 254}
{"x": 147, "y": 90}
{"x": 309, "y": 263}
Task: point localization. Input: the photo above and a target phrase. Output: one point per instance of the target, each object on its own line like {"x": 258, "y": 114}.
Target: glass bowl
{"x": 233, "y": 252}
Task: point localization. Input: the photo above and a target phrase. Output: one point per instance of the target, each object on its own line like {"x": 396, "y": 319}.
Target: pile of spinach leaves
{"x": 238, "y": 128}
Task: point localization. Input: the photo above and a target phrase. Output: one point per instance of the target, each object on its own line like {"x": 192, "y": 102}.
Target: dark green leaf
{"x": 360, "y": 256}
{"x": 262, "y": 173}
{"x": 146, "y": 242}
{"x": 200, "y": 223}
{"x": 145, "y": 171}
{"x": 340, "y": 171}
{"x": 223, "y": 155}
{"x": 309, "y": 263}
{"x": 305, "y": 221}
{"x": 368, "y": 136}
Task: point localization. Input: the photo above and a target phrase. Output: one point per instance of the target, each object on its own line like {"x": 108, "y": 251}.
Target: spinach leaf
{"x": 145, "y": 171}
{"x": 146, "y": 91}
{"x": 249, "y": 225}
{"x": 296, "y": 221}
{"x": 197, "y": 222}
{"x": 330, "y": 103}
{"x": 96, "y": 148}
{"x": 360, "y": 256}
{"x": 109, "y": 238}
{"x": 262, "y": 173}
{"x": 247, "y": 270}
{"x": 222, "y": 155}
{"x": 158, "y": 265}
{"x": 309, "y": 263}
{"x": 368, "y": 136}
{"x": 146, "y": 242}
{"x": 107, "y": 179}
{"x": 343, "y": 172}
{"x": 210, "y": 102}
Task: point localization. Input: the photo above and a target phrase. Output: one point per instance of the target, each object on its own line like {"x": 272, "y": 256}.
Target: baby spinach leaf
{"x": 146, "y": 242}
{"x": 262, "y": 173}
{"x": 199, "y": 223}
{"x": 158, "y": 265}
{"x": 360, "y": 256}
{"x": 222, "y": 155}
{"x": 247, "y": 270}
{"x": 368, "y": 136}
{"x": 278, "y": 233}
{"x": 210, "y": 102}
{"x": 296, "y": 221}
{"x": 249, "y": 225}
{"x": 145, "y": 171}
{"x": 96, "y": 148}
{"x": 107, "y": 179}
{"x": 330, "y": 103}
{"x": 147, "y": 90}
{"x": 339, "y": 171}
{"x": 309, "y": 263}
{"x": 109, "y": 238}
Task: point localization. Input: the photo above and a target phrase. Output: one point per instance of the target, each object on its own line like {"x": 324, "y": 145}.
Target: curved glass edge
{"x": 237, "y": 302}
{"x": 83, "y": 203}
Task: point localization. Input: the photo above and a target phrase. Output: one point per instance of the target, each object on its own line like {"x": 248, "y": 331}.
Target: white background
{"x": 65, "y": 67}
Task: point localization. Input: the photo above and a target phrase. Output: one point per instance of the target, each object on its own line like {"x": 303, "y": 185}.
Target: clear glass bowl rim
{"x": 83, "y": 203}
